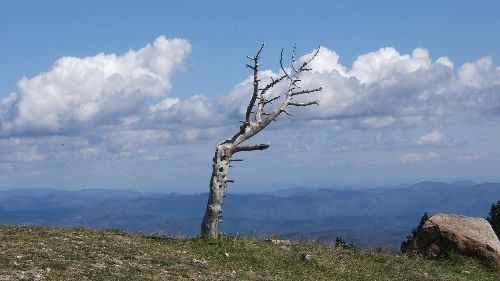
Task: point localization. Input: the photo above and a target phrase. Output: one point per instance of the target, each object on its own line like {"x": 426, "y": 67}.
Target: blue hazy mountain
{"x": 369, "y": 217}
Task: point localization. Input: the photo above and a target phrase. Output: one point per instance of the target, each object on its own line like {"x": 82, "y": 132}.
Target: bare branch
{"x": 304, "y": 103}
{"x": 281, "y": 65}
{"x": 252, "y": 147}
{"x": 263, "y": 102}
{"x": 286, "y": 112}
{"x": 257, "y": 56}
{"x": 290, "y": 92}
{"x": 260, "y": 109}
{"x": 256, "y": 80}
{"x": 304, "y": 65}
{"x": 294, "y": 50}
{"x": 270, "y": 100}
{"x": 274, "y": 82}
{"x": 307, "y": 91}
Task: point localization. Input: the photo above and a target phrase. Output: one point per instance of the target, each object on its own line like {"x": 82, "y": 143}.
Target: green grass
{"x": 42, "y": 253}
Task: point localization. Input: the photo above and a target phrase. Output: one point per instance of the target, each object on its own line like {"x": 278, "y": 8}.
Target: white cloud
{"x": 431, "y": 155}
{"x": 197, "y": 110}
{"x": 89, "y": 152}
{"x": 378, "y": 122}
{"x": 82, "y": 92}
{"x": 328, "y": 61}
{"x": 417, "y": 157}
{"x": 135, "y": 142}
{"x": 19, "y": 150}
{"x": 410, "y": 157}
{"x": 430, "y": 138}
{"x": 472, "y": 157}
{"x": 118, "y": 104}
{"x": 387, "y": 89}
{"x": 387, "y": 63}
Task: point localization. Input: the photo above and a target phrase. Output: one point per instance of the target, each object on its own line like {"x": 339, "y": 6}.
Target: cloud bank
{"x": 120, "y": 103}
{"x": 386, "y": 89}
{"x": 81, "y": 93}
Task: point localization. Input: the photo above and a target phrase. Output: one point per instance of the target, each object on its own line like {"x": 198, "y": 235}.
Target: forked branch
{"x": 255, "y": 93}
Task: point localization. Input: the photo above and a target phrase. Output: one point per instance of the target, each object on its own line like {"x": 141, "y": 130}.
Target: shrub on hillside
{"x": 340, "y": 242}
{"x": 494, "y": 218}
{"x": 409, "y": 239}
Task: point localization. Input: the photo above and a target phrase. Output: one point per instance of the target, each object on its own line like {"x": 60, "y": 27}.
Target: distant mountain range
{"x": 369, "y": 217}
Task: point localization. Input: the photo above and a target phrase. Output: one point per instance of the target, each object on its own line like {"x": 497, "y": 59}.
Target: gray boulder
{"x": 444, "y": 233}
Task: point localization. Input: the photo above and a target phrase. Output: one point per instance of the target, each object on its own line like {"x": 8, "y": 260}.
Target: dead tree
{"x": 257, "y": 117}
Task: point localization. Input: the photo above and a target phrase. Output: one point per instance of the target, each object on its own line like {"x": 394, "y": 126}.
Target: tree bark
{"x": 218, "y": 182}
{"x": 252, "y": 125}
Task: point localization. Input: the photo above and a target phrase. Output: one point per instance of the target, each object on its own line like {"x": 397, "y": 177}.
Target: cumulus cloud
{"x": 386, "y": 88}
{"x": 119, "y": 103}
{"x": 90, "y": 91}
{"x": 195, "y": 111}
{"x": 430, "y": 138}
{"x": 387, "y": 63}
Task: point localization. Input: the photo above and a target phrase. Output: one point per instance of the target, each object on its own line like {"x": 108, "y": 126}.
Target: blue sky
{"x": 159, "y": 135}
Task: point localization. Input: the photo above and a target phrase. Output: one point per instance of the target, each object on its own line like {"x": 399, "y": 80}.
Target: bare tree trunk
{"x": 252, "y": 125}
{"x": 218, "y": 182}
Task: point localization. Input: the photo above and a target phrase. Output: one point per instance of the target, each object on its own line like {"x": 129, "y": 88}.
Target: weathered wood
{"x": 212, "y": 218}
{"x": 250, "y": 127}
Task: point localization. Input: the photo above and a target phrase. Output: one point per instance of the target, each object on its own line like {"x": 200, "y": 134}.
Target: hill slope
{"x": 41, "y": 253}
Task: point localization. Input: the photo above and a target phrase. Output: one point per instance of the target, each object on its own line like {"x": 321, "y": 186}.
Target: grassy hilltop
{"x": 42, "y": 253}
